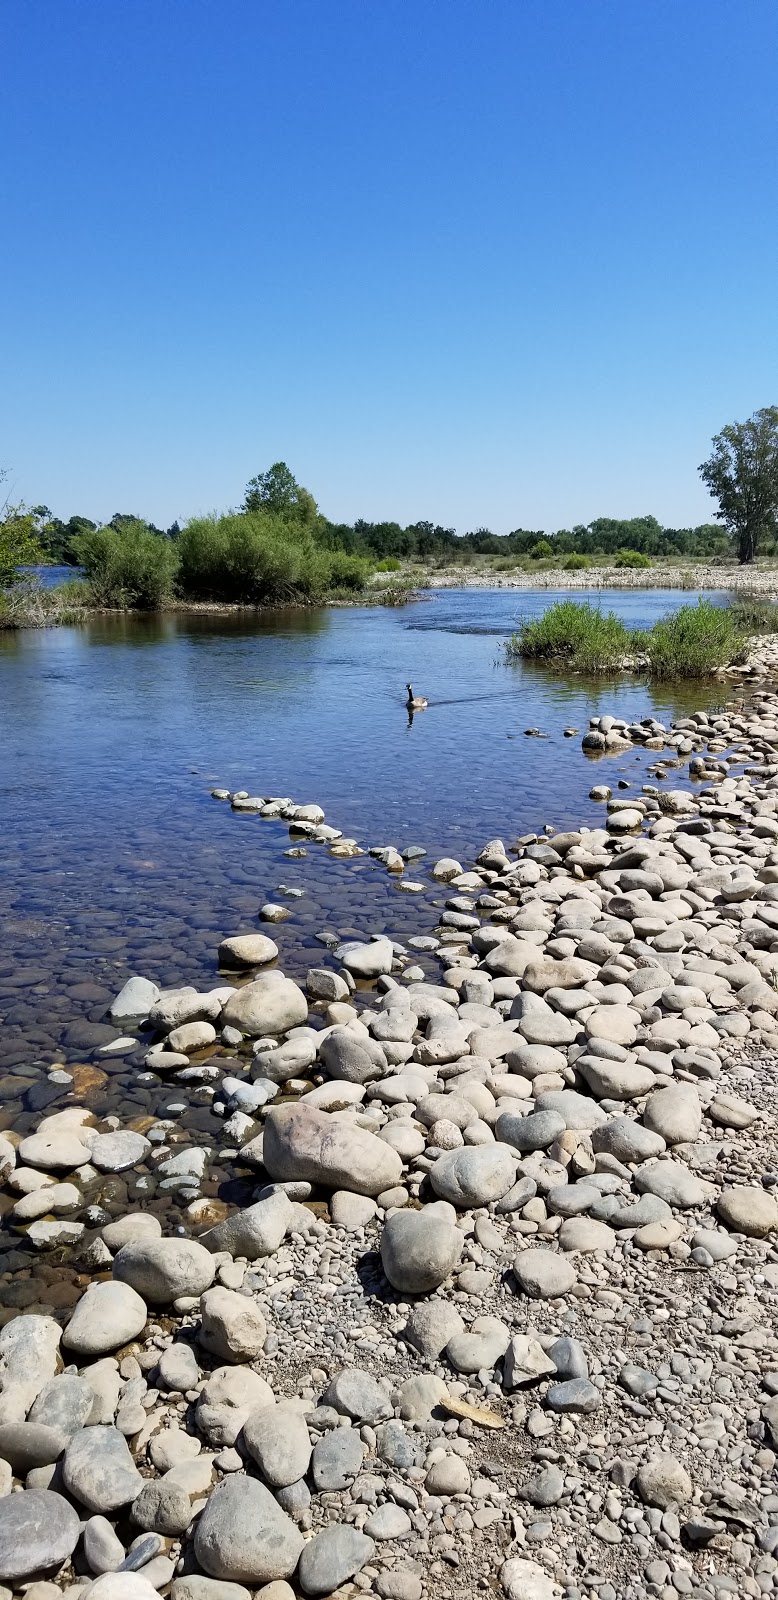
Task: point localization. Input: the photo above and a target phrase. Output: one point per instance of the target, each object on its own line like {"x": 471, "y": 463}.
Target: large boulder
{"x": 134, "y": 1002}
{"x": 369, "y": 960}
{"x": 352, "y": 1057}
{"x": 247, "y": 950}
{"x": 244, "y": 1536}
{"x": 163, "y": 1270}
{"x": 301, "y": 1142}
{"x": 271, "y": 1004}
{"x": 420, "y": 1248}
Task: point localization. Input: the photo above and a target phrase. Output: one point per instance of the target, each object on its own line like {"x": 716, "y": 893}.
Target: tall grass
{"x": 692, "y": 641}
{"x": 260, "y": 559}
{"x": 688, "y": 643}
{"x": 574, "y": 634}
{"x": 754, "y": 614}
{"x": 29, "y": 605}
{"x": 133, "y": 568}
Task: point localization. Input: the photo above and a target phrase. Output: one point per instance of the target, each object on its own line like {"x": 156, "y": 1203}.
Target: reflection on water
{"x": 113, "y": 732}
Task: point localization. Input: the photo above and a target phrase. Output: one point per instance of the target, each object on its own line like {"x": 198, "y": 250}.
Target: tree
{"x": 278, "y": 490}
{"x": 742, "y": 474}
{"x": 19, "y": 546}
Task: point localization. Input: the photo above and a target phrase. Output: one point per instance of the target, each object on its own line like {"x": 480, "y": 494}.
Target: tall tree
{"x": 278, "y": 490}
{"x": 742, "y": 474}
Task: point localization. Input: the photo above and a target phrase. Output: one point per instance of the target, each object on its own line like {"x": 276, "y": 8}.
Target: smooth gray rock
{"x": 271, "y": 1005}
{"x": 474, "y": 1175}
{"x": 162, "y": 1507}
{"x": 332, "y": 1557}
{"x": 38, "y": 1531}
{"x": 748, "y": 1210}
{"x": 663, "y": 1481}
{"x": 27, "y": 1445}
{"x": 232, "y": 1326}
{"x": 178, "y": 1369}
{"x": 244, "y": 1536}
{"x": 277, "y": 1439}
{"x": 358, "y": 1394}
{"x": 579, "y": 1112}
{"x": 675, "y": 1113}
{"x": 369, "y": 960}
{"x": 337, "y": 1459}
{"x": 430, "y": 1325}
{"x": 481, "y": 1346}
{"x": 576, "y": 1394}
{"x": 351, "y": 1058}
{"x": 301, "y": 1142}
{"x": 569, "y": 1358}
{"x": 117, "y": 1152}
{"x": 134, "y": 1002}
{"x": 535, "y": 1132}
{"x": 65, "y": 1403}
{"x": 195, "y": 1586}
{"x": 627, "y": 1140}
{"x": 107, "y": 1315}
{"x": 103, "y": 1550}
{"x": 164, "y": 1270}
{"x": 99, "y": 1471}
{"x": 543, "y": 1275}
{"x": 420, "y": 1248}
{"x": 253, "y": 1232}
{"x": 547, "y": 1488}
{"x": 673, "y": 1182}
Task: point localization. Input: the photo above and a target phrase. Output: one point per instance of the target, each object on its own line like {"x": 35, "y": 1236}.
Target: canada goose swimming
{"x": 415, "y": 702}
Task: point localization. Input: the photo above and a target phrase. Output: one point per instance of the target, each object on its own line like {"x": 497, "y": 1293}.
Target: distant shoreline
{"x": 699, "y": 575}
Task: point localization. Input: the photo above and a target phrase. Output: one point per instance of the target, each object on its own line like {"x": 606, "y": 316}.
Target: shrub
{"x": 19, "y": 545}
{"x": 574, "y": 634}
{"x": 389, "y": 564}
{"x": 753, "y": 614}
{"x": 632, "y": 558}
{"x": 132, "y": 568}
{"x": 541, "y": 550}
{"x": 575, "y": 563}
{"x": 256, "y": 558}
{"x": 694, "y": 640}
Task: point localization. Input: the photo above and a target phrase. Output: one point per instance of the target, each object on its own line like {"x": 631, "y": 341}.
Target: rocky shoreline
{"x": 488, "y": 1298}
{"x": 700, "y": 574}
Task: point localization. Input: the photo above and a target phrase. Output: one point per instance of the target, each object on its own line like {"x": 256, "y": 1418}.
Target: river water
{"x": 115, "y": 859}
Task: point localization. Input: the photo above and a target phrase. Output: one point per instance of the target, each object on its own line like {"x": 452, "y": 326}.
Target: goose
{"x": 415, "y": 702}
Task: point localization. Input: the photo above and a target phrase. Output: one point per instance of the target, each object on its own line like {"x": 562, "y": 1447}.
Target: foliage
{"x": 541, "y": 550}
{"x": 575, "y": 563}
{"x": 19, "y": 545}
{"x": 742, "y": 474}
{"x": 258, "y": 558}
{"x": 692, "y": 641}
{"x": 129, "y": 568}
{"x": 390, "y": 564}
{"x": 632, "y": 558}
{"x": 29, "y": 605}
{"x": 753, "y": 613}
{"x": 278, "y": 491}
{"x": 575, "y": 634}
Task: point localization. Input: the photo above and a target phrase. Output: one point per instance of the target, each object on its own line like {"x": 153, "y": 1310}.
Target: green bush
{"x": 632, "y": 558}
{"x": 574, "y": 634}
{"x": 541, "y": 550}
{"x": 389, "y": 564}
{"x": 753, "y": 614}
{"x": 575, "y": 563}
{"x": 694, "y": 640}
{"x": 132, "y": 568}
{"x": 257, "y": 558}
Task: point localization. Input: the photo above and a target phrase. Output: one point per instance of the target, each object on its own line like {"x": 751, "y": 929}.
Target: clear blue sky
{"x": 508, "y": 263}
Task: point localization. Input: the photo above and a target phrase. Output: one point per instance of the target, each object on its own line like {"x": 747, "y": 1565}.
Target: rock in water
{"x": 271, "y": 1004}
{"x": 244, "y": 1536}
{"x": 301, "y": 1142}
{"x": 38, "y": 1530}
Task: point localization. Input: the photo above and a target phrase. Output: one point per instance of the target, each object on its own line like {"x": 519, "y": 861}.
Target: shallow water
{"x": 116, "y": 859}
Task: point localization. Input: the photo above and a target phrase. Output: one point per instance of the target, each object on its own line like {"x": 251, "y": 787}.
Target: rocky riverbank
{"x": 762, "y": 581}
{"x": 486, "y": 1295}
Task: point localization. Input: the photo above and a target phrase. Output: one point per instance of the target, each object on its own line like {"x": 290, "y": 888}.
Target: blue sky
{"x": 503, "y": 264}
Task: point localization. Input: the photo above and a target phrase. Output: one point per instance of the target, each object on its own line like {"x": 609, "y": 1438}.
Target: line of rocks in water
{"x": 501, "y": 1302}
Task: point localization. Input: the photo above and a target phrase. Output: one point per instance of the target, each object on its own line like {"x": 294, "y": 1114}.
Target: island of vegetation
{"x": 277, "y": 548}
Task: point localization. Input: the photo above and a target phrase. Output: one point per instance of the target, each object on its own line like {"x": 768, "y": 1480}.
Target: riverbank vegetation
{"x": 691, "y": 642}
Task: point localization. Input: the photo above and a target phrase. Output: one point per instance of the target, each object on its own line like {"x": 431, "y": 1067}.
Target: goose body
{"x": 415, "y": 702}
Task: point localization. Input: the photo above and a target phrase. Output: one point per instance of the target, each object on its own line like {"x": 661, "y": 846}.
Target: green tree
{"x": 19, "y": 544}
{"x": 742, "y": 474}
{"x": 277, "y": 490}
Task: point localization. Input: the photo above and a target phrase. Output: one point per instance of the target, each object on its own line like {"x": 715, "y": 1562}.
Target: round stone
{"x": 107, "y": 1315}
{"x": 38, "y": 1531}
{"x": 664, "y": 1482}
{"x": 164, "y": 1270}
{"x": 750, "y": 1211}
{"x": 543, "y": 1275}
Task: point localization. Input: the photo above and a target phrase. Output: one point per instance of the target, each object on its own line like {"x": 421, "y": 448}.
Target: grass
{"x": 694, "y": 640}
{"x": 688, "y": 643}
{"x": 752, "y": 614}
{"x": 29, "y": 605}
{"x": 575, "y": 635}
